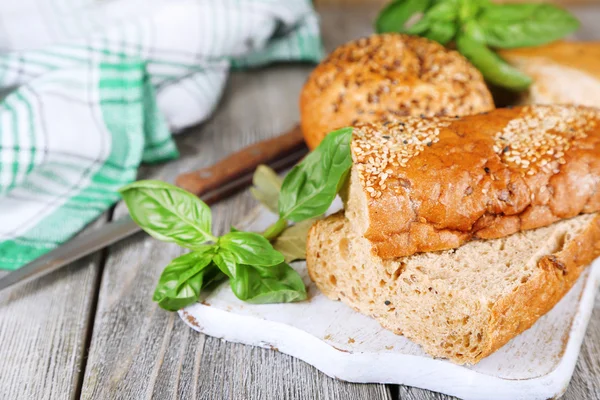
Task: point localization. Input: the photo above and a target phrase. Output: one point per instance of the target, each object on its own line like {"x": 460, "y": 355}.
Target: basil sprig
{"x": 480, "y": 26}
{"x": 291, "y": 242}
{"x": 311, "y": 186}
{"x": 257, "y": 272}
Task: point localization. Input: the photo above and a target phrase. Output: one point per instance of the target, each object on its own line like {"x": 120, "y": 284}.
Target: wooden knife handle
{"x": 243, "y": 162}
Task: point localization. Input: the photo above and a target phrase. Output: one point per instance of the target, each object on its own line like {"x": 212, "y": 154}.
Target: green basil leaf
{"x": 187, "y": 295}
{"x": 226, "y": 262}
{"x": 168, "y": 213}
{"x": 395, "y": 15}
{"x": 438, "y": 22}
{"x": 311, "y": 186}
{"x": 444, "y": 11}
{"x": 442, "y": 32}
{"x": 203, "y": 258}
{"x": 250, "y": 248}
{"x": 266, "y": 187}
{"x": 494, "y": 69}
{"x": 263, "y": 285}
{"x": 212, "y": 277}
{"x": 420, "y": 27}
{"x": 468, "y": 9}
{"x": 181, "y": 281}
{"x": 292, "y": 241}
{"x": 508, "y": 26}
{"x": 190, "y": 292}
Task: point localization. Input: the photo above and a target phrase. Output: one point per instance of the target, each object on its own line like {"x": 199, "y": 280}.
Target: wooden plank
{"x": 141, "y": 351}
{"x": 239, "y": 371}
{"x": 410, "y": 393}
{"x": 44, "y": 327}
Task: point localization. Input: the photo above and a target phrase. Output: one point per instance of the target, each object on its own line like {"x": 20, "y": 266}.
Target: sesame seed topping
{"x": 393, "y": 75}
{"x": 538, "y": 139}
{"x": 377, "y": 147}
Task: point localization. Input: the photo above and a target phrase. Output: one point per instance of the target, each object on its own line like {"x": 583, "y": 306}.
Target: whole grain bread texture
{"x": 387, "y": 76}
{"x": 430, "y": 184}
{"x": 460, "y": 304}
{"x": 563, "y": 72}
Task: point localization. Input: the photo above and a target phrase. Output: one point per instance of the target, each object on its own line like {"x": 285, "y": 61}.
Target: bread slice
{"x": 430, "y": 184}
{"x": 563, "y": 72}
{"x": 460, "y": 304}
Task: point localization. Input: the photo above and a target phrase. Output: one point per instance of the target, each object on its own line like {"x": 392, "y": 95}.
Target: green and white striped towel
{"x": 97, "y": 88}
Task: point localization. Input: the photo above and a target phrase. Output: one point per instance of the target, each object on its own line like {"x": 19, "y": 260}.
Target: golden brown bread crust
{"x": 519, "y": 311}
{"x": 583, "y": 56}
{"x": 562, "y": 72}
{"x": 385, "y": 76}
{"x": 433, "y": 184}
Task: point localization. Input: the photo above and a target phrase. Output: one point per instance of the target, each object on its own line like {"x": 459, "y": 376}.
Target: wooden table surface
{"x": 92, "y": 331}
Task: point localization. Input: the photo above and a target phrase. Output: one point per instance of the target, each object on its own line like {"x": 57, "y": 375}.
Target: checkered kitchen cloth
{"x": 97, "y": 86}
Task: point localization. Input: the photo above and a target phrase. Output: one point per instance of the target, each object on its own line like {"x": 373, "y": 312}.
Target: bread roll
{"x": 563, "y": 72}
{"x": 459, "y": 304}
{"x": 389, "y": 76}
{"x": 420, "y": 185}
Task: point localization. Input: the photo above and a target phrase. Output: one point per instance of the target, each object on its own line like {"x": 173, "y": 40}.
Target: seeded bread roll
{"x": 420, "y": 185}
{"x": 388, "y": 76}
{"x": 562, "y": 72}
{"x": 459, "y": 304}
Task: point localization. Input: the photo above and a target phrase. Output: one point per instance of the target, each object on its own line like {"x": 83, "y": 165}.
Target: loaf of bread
{"x": 562, "y": 72}
{"x": 458, "y": 304}
{"x": 388, "y": 76}
{"x": 420, "y": 185}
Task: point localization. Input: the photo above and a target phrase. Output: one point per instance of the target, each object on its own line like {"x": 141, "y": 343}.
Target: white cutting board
{"x": 344, "y": 344}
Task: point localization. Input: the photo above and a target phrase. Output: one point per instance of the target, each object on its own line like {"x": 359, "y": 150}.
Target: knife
{"x": 212, "y": 184}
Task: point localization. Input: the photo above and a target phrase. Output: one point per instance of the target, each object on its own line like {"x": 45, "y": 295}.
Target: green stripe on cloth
{"x": 133, "y": 122}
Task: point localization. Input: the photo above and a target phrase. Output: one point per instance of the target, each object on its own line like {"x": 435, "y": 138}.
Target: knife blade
{"x": 212, "y": 184}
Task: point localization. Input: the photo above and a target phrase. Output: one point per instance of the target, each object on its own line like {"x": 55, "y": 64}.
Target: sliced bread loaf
{"x": 460, "y": 304}
{"x": 430, "y": 184}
